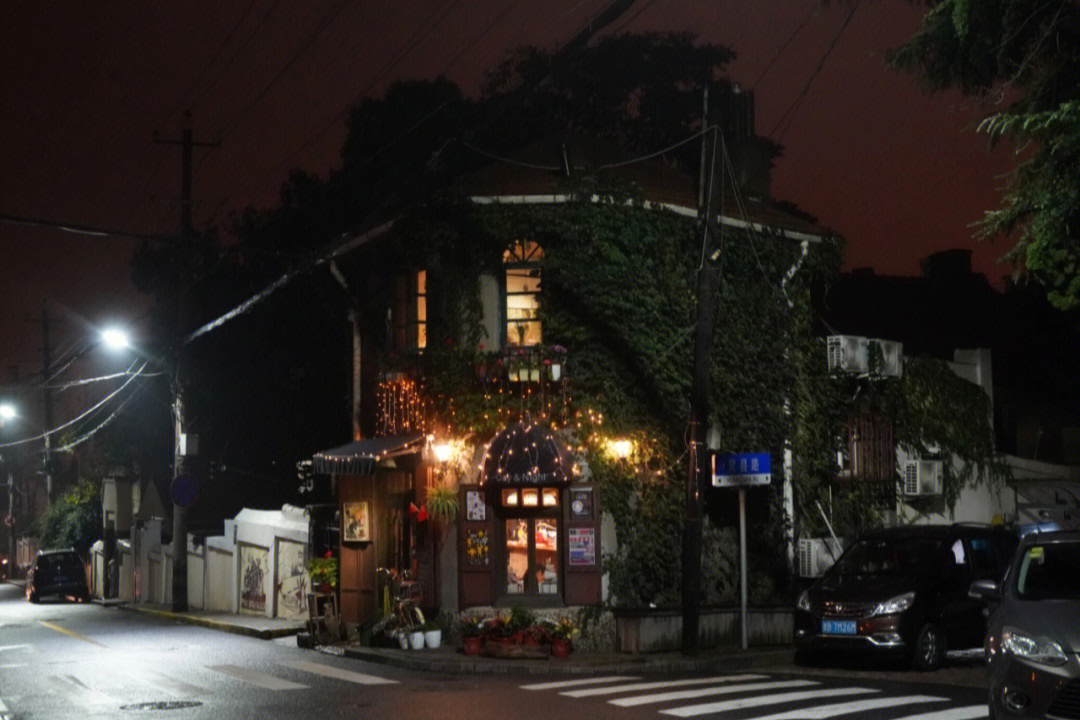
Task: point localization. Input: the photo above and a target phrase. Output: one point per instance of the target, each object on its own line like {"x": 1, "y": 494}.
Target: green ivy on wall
{"x": 618, "y": 292}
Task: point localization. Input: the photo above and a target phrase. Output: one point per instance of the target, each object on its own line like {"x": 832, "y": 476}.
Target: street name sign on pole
{"x": 741, "y": 471}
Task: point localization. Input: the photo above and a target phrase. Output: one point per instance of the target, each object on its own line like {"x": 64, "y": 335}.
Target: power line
{"x": 789, "y": 114}
{"x": 327, "y": 19}
{"x": 77, "y": 229}
{"x": 784, "y": 45}
{"x": 417, "y": 38}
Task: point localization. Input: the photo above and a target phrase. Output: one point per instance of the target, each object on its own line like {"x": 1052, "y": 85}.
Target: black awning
{"x": 361, "y": 457}
{"x": 525, "y": 454}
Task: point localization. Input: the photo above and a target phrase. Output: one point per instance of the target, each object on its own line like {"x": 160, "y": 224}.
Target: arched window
{"x": 522, "y": 263}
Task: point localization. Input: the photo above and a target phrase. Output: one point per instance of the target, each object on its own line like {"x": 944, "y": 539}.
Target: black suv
{"x": 904, "y": 591}
{"x": 57, "y": 572}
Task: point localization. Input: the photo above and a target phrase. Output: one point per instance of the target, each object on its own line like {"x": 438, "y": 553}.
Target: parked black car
{"x": 1033, "y": 636}
{"x": 903, "y": 591}
{"x": 57, "y": 572}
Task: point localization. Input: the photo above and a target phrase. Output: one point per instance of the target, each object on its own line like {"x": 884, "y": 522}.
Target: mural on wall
{"x": 253, "y": 566}
{"x": 291, "y": 587}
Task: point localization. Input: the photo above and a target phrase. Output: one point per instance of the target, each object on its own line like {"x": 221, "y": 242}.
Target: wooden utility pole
{"x": 182, "y": 465}
{"x": 709, "y": 209}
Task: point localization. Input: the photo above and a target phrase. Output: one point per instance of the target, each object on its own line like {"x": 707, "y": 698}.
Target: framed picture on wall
{"x": 474, "y": 506}
{"x": 356, "y": 525}
{"x": 581, "y": 504}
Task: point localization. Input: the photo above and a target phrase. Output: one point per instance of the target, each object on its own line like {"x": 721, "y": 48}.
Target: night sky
{"x": 85, "y": 85}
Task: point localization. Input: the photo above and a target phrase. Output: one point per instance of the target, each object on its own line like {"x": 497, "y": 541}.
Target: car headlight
{"x": 895, "y": 605}
{"x": 1041, "y": 650}
{"x": 803, "y": 603}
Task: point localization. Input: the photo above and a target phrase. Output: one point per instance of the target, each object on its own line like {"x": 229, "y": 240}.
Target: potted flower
{"x": 472, "y": 633}
{"x": 562, "y": 632}
{"x": 323, "y": 572}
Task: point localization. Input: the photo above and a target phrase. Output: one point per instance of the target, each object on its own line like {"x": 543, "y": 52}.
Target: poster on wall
{"x": 474, "y": 506}
{"x": 253, "y": 566}
{"x": 291, "y": 587}
{"x": 357, "y": 527}
{"x": 581, "y": 504}
{"x": 581, "y": 543}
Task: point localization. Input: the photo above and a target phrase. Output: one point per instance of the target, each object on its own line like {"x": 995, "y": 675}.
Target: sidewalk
{"x": 256, "y": 626}
{"x": 450, "y": 660}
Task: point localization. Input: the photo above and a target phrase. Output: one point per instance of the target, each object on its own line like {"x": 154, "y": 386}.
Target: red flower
{"x": 480, "y": 346}
{"x": 329, "y": 553}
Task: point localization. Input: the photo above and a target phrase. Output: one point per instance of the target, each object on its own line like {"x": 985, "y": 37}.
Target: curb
{"x": 258, "y": 633}
{"x": 468, "y": 665}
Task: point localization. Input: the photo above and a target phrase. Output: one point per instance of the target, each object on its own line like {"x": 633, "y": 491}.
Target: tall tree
{"x": 1027, "y": 51}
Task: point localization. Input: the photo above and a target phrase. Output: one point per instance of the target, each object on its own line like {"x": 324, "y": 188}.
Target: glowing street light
{"x": 115, "y": 338}
{"x": 7, "y": 411}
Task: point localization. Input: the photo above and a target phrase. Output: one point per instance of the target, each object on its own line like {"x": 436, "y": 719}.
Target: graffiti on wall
{"x": 292, "y": 582}
{"x": 253, "y": 567}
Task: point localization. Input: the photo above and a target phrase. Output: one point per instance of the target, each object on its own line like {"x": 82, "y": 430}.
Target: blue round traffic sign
{"x": 184, "y": 491}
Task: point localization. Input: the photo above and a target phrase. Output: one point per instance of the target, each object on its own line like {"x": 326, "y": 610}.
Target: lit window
{"x": 510, "y": 498}
{"x": 530, "y": 497}
{"x": 419, "y": 303}
{"x": 409, "y": 312}
{"x": 521, "y": 261}
{"x": 551, "y": 497}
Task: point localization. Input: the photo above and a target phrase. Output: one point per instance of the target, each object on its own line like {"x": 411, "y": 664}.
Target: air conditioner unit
{"x": 923, "y": 477}
{"x": 847, "y": 354}
{"x": 816, "y": 555}
{"x": 892, "y": 356}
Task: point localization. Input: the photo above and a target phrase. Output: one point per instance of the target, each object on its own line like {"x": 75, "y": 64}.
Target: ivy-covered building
{"x": 523, "y": 345}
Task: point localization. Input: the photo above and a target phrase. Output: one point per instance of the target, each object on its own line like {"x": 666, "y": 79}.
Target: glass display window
{"x": 551, "y": 497}
{"x": 530, "y": 497}
{"x": 517, "y": 555}
{"x": 510, "y": 497}
{"x": 532, "y": 556}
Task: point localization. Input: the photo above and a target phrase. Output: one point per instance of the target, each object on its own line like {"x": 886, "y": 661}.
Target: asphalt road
{"x": 64, "y": 660}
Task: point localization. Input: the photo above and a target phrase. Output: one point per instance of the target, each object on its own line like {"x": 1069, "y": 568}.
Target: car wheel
{"x": 929, "y": 648}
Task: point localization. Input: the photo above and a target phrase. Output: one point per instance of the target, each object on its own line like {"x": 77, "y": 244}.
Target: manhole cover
{"x": 166, "y": 705}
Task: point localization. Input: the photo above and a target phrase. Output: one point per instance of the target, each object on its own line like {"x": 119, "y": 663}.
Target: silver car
{"x": 1033, "y": 636}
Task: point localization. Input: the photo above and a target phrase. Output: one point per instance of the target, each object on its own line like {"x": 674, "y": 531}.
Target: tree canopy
{"x": 1028, "y": 53}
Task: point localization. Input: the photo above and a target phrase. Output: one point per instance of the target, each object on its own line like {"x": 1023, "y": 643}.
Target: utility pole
{"x": 178, "y": 382}
{"x": 46, "y": 374}
{"x": 709, "y": 208}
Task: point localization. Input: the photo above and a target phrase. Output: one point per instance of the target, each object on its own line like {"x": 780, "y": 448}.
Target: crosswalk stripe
{"x": 762, "y": 700}
{"x": 577, "y": 683}
{"x": 81, "y": 693}
{"x": 705, "y": 692}
{"x": 339, "y": 674}
{"x": 820, "y": 712}
{"x": 12, "y": 647}
{"x": 970, "y": 712}
{"x": 176, "y": 688}
{"x": 612, "y": 689}
{"x": 255, "y": 677}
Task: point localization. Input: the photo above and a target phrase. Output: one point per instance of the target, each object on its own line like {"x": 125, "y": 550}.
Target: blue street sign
{"x": 742, "y": 469}
{"x": 183, "y": 491}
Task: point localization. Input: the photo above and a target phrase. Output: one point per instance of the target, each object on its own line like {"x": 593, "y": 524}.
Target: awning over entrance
{"x": 361, "y": 456}
{"x": 525, "y": 454}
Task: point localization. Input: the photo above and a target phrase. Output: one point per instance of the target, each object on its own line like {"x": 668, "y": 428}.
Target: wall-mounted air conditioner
{"x": 922, "y": 477}
{"x": 847, "y": 354}
{"x": 816, "y": 555}
{"x": 890, "y": 359}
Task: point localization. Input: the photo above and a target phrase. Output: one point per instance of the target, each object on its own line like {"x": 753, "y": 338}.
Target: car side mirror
{"x": 985, "y": 590}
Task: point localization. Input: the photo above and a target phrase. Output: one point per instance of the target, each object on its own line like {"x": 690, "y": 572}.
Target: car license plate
{"x": 838, "y": 627}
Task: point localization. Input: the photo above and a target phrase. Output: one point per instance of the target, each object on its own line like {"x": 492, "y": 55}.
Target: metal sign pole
{"x": 742, "y": 562}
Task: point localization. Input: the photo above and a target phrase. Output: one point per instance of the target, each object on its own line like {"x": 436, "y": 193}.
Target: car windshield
{"x": 888, "y": 556}
{"x": 1050, "y": 572}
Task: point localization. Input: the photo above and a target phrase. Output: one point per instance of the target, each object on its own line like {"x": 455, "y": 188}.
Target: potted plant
{"x": 432, "y": 634}
{"x": 442, "y": 503}
{"x": 416, "y": 637}
{"x": 472, "y": 633}
{"x": 562, "y": 633}
{"x": 323, "y": 572}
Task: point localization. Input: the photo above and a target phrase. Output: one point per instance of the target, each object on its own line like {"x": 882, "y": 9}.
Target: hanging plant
{"x": 442, "y": 503}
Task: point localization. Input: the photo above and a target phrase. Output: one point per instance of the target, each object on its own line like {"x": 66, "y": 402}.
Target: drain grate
{"x": 166, "y": 705}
